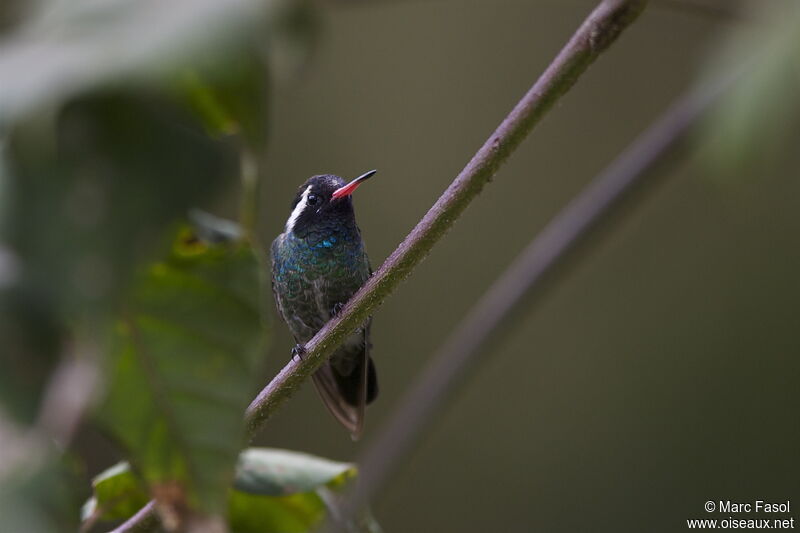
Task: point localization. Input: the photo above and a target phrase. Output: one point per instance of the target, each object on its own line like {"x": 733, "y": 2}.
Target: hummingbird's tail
{"x": 350, "y": 385}
{"x": 346, "y": 395}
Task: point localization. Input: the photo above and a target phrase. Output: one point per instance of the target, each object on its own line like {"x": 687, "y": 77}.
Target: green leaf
{"x": 295, "y": 513}
{"x": 118, "y": 494}
{"x": 110, "y": 172}
{"x": 185, "y": 356}
{"x": 87, "y": 191}
{"x": 276, "y": 491}
{"x": 280, "y": 491}
{"x": 273, "y": 472}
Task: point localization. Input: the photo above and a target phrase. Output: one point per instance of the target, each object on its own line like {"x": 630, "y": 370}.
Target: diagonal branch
{"x": 595, "y": 35}
{"x": 597, "y": 32}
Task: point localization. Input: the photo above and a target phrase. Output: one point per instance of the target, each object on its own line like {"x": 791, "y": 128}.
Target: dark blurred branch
{"x": 523, "y": 283}
{"x": 598, "y": 31}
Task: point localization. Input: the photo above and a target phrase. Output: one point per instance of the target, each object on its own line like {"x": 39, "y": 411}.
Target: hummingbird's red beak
{"x": 348, "y": 189}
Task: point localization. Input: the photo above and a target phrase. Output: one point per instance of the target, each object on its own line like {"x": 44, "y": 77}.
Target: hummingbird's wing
{"x": 350, "y": 416}
{"x": 346, "y": 395}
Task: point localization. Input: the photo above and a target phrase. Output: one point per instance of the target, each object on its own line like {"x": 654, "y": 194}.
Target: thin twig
{"x": 522, "y": 284}
{"x": 70, "y": 391}
{"x": 598, "y": 31}
{"x": 146, "y": 519}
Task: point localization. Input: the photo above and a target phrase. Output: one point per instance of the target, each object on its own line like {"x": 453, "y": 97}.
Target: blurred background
{"x": 662, "y": 370}
{"x": 659, "y": 372}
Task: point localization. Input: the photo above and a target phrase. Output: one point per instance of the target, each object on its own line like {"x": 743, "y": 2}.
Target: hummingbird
{"x": 318, "y": 263}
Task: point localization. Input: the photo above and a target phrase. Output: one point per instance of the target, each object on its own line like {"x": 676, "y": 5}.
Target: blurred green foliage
{"x": 274, "y": 491}
{"x": 38, "y": 493}
{"x": 756, "y": 123}
{"x": 117, "y": 118}
{"x": 125, "y": 117}
{"x": 187, "y": 348}
{"x": 117, "y": 495}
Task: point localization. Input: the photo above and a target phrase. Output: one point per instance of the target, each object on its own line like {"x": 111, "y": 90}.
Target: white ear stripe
{"x": 298, "y": 209}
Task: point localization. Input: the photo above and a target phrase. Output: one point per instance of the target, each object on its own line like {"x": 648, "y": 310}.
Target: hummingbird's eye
{"x": 312, "y": 199}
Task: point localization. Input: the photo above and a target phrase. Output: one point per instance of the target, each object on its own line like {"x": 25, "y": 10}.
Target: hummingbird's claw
{"x": 337, "y": 309}
{"x": 298, "y": 352}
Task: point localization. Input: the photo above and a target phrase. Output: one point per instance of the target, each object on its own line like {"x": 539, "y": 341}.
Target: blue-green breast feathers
{"x": 311, "y": 275}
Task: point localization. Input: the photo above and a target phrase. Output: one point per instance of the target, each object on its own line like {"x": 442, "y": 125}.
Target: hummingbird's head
{"x": 323, "y": 200}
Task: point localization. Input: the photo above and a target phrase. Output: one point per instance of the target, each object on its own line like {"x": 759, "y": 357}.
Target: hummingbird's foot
{"x": 298, "y": 351}
{"x": 337, "y": 309}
